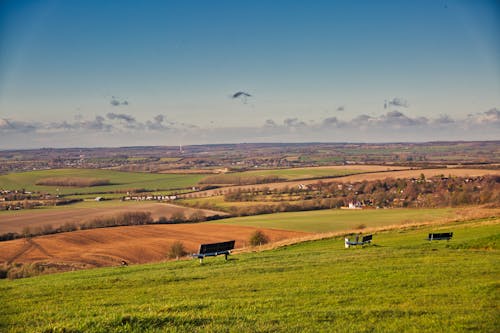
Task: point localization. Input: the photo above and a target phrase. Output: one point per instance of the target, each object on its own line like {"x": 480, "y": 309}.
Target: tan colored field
{"x": 417, "y": 172}
{"x": 134, "y": 244}
{"x": 414, "y": 173}
{"x": 361, "y": 167}
{"x": 15, "y": 221}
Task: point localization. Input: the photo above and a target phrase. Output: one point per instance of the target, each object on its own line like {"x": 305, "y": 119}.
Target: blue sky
{"x": 111, "y": 73}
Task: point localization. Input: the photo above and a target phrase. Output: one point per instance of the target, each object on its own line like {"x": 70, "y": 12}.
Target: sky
{"x": 85, "y": 73}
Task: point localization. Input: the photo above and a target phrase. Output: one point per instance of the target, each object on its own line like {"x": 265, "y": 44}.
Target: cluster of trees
{"x": 73, "y": 181}
{"x": 419, "y": 192}
{"x": 30, "y": 204}
{"x": 123, "y": 219}
{"x": 127, "y": 218}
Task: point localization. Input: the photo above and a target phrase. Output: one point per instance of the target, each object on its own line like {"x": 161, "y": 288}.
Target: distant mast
{"x": 180, "y": 148}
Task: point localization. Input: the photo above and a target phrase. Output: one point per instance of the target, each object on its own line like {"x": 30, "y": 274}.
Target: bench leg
{"x": 225, "y": 256}
{"x": 201, "y": 260}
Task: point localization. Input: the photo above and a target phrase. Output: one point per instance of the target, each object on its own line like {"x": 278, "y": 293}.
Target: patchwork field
{"x": 414, "y": 173}
{"x": 299, "y": 173}
{"x": 15, "y": 221}
{"x": 402, "y": 283}
{"x": 118, "y": 181}
{"x": 135, "y": 244}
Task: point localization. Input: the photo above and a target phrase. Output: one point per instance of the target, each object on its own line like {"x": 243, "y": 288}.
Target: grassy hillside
{"x": 403, "y": 283}
{"x": 339, "y": 220}
{"x": 119, "y": 180}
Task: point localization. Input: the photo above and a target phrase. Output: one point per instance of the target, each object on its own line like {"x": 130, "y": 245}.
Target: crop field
{"x": 402, "y": 283}
{"x": 332, "y": 220}
{"x": 135, "y": 244}
{"x": 16, "y": 220}
{"x": 218, "y": 202}
{"x": 298, "y": 173}
{"x": 118, "y": 180}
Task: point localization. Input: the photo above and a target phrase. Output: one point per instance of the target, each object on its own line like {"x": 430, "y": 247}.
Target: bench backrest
{"x": 367, "y": 238}
{"x": 441, "y": 235}
{"x": 216, "y": 247}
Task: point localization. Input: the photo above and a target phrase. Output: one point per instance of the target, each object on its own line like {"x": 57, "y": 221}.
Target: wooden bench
{"x": 214, "y": 249}
{"x": 440, "y": 236}
{"x": 365, "y": 240}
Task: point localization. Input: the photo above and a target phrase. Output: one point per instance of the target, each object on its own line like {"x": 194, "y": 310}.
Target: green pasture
{"x": 402, "y": 283}
{"x": 119, "y": 180}
{"x": 342, "y": 219}
{"x": 170, "y": 159}
{"x": 286, "y": 174}
{"x": 219, "y": 202}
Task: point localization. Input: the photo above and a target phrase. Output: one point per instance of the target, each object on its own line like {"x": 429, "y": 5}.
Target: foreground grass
{"x": 119, "y": 180}
{"x": 403, "y": 283}
{"x": 330, "y": 220}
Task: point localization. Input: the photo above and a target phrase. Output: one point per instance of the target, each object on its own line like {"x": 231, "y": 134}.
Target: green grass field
{"x": 402, "y": 283}
{"x": 285, "y": 174}
{"x": 340, "y": 219}
{"x": 119, "y": 180}
{"x": 219, "y": 202}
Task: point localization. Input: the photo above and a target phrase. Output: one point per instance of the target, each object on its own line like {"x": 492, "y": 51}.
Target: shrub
{"x": 258, "y": 238}
{"x": 197, "y": 216}
{"x": 176, "y": 250}
{"x": 178, "y": 217}
{"x": 162, "y": 220}
{"x": 3, "y": 272}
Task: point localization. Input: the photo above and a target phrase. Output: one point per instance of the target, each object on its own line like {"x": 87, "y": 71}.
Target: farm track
{"x": 29, "y": 245}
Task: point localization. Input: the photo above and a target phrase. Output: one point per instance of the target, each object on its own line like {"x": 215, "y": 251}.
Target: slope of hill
{"x": 401, "y": 283}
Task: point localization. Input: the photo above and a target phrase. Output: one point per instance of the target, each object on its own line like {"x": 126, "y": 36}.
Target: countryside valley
{"x": 125, "y": 221}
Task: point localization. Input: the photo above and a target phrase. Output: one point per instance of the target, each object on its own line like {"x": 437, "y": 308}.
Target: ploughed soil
{"x": 134, "y": 244}
{"x": 15, "y": 221}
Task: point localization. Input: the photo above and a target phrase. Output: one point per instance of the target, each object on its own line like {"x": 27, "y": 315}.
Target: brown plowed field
{"x": 360, "y": 177}
{"x": 16, "y": 221}
{"x": 134, "y": 244}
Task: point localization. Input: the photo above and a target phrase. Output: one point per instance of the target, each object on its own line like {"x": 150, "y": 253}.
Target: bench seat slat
{"x": 440, "y": 236}
{"x": 214, "y": 249}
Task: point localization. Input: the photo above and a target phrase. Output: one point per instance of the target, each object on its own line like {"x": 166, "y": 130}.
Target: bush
{"x": 3, "y": 272}
{"x": 178, "y": 217}
{"x": 258, "y": 238}
{"x": 176, "y": 250}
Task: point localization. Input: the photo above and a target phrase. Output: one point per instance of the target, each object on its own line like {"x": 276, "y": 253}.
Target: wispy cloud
{"x": 115, "y": 101}
{"x": 159, "y": 123}
{"x": 16, "y": 126}
{"x": 126, "y": 129}
{"x": 397, "y": 102}
{"x": 490, "y": 117}
{"x": 294, "y": 123}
